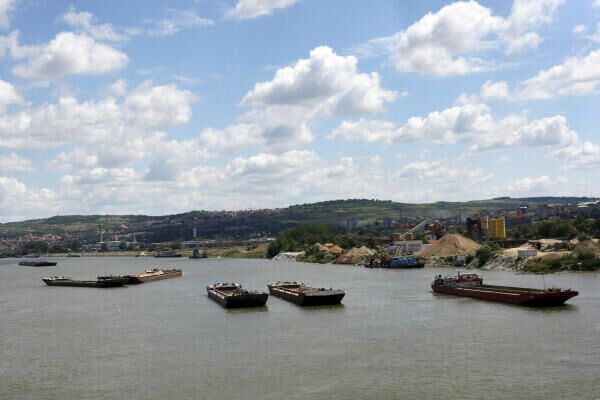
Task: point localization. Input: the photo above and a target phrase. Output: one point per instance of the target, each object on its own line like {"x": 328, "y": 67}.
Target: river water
{"x": 392, "y": 337}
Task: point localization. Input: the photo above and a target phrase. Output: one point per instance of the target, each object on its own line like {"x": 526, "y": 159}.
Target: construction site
{"x": 429, "y": 244}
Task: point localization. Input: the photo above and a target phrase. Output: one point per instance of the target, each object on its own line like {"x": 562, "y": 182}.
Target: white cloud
{"x": 119, "y": 88}
{"x": 249, "y": 9}
{"x": 594, "y": 37}
{"x": 579, "y": 29}
{"x": 443, "y": 172}
{"x": 141, "y": 117}
{"x": 17, "y": 201}
{"x": 437, "y": 42}
{"x": 535, "y": 186}
{"x": 550, "y": 131}
{"x": 579, "y": 155}
{"x": 233, "y": 136}
{"x": 8, "y": 95}
{"x": 447, "y": 42}
{"x": 575, "y": 76}
{"x": 158, "y": 107}
{"x": 526, "y": 15}
{"x": 69, "y": 54}
{"x": 6, "y": 8}
{"x": 13, "y": 163}
{"x": 175, "y": 21}
{"x": 495, "y": 91}
{"x": 86, "y": 22}
{"x": 367, "y": 130}
{"x": 325, "y": 83}
{"x": 464, "y": 123}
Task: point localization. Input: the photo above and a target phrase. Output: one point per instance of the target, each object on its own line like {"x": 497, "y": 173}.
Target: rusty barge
{"x": 303, "y": 295}
{"x": 155, "y": 274}
{"x": 101, "y": 282}
{"x": 38, "y": 263}
{"x": 233, "y": 295}
{"x": 471, "y": 285}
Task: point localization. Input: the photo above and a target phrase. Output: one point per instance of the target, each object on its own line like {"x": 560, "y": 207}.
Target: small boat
{"x": 101, "y": 282}
{"x": 302, "y": 295}
{"x": 233, "y": 295}
{"x": 166, "y": 254}
{"x": 155, "y": 274}
{"x": 38, "y": 263}
{"x": 471, "y": 285}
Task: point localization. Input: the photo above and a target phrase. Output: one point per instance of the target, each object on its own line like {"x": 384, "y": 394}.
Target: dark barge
{"x": 101, "y": 282}
{"x": 166, "y": 254}
{"x": 302, "y": 295}
{"x": 38, "y": 263}
{"x": 155, "y": 274}
{"x": 233, "y": 295}
{"x": 471, "y": 285}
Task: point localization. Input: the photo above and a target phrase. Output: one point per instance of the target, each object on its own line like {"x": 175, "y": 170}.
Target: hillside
{"x": 255, "y": 223}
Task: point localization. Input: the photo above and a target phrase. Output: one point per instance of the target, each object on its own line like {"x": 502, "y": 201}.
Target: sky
{"x": 157, "y": 107}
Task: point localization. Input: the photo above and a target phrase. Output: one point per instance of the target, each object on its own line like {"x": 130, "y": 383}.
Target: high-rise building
{"x": 497, "y": 228}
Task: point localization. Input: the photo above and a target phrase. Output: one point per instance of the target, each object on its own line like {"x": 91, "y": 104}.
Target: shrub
{"x": 486, "y": 252}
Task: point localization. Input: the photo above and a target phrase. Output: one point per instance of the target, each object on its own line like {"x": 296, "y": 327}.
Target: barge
{"x": 233, "y": 295}
{"x": 101, "y": 282}
{"x": 471, "y": 285}
{"x": 155, "y": 274}
{"x": 38, "y": 263}
{"x": 302, "y": 295}
{"x": 405, "y": 263}
{"x": 167, "y": 254}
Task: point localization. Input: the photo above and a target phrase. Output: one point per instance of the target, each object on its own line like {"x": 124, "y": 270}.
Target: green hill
{"x": 254, "y": 223}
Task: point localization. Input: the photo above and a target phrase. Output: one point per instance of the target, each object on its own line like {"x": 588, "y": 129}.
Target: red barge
{"x": 471, "y": 285}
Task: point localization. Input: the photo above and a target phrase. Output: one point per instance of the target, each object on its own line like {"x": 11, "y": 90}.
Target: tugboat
{"x": 302, "y": 295}
{"x": 233, "y": 295}
{"x": 38, "y": 263}
{"x": 101, "y": 282}
{"x": 155, "y": 274}
{"x": 471, "y": 285}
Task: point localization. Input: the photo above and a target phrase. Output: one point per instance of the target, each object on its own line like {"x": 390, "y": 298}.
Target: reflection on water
{"x": 245, "y": 310}
{"x": 391, "y": 337}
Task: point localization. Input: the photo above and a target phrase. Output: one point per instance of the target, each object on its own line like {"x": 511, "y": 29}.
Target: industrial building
{"x": 497, "y": 228}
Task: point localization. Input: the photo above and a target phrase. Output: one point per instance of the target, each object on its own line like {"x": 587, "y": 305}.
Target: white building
{"x": 526, "y": 252}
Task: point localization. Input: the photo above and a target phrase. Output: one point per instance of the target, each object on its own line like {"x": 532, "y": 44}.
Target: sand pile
{"x": 452, "y": 245}
{"x": 356, "y": 255}
{"x": 330, "y": 248}
{"x": 587, "y": 250}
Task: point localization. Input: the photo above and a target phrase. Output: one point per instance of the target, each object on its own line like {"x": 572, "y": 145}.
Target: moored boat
{"x": 471, "y": 285}
{"x": 101, "y": 282}
{"x": 233, "y": 295}
{"x": 38, "y": 263}
{"x": 405, "y": 263}
{"x": 155, "y": 274}
{"x": 166, "y": 254}
{"x": 303, "y": 295}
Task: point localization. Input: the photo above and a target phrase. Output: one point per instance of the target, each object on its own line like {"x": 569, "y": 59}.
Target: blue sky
{"x": 158, "y": 107}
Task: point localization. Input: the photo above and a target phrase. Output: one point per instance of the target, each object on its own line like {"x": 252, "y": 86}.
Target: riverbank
{"x": 259, "y": 251}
